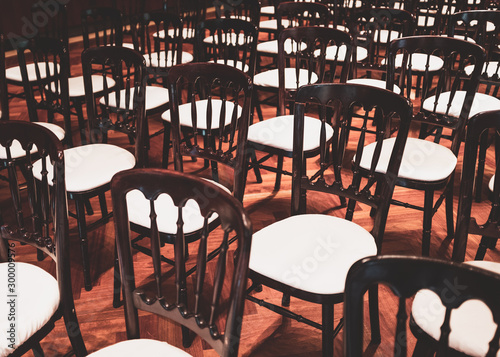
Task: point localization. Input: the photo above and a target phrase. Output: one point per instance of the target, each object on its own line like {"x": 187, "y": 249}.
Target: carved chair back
{"x": 102, "y": 26}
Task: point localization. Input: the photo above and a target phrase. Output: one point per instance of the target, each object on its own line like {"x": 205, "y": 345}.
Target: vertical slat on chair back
{"x": 126, "y": 67}
{"x": 301, "y": 13}
{"x": 349, "y": 109}
{"x": 196, "y": 305}
{"x": 102, "y": 26}
{"x": 212, "y": 82}
{"x": 4, "y": 95}
{"x": 248, "y": 10}
{"x": 235, "y": 43}
{"x": 451, "y": 77}
{"x": 405, "y": 276}
{"x": 192, "y": 12}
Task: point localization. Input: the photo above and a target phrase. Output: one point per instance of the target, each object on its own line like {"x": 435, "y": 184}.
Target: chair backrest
{"x": 345, "y": 108}
{"x": 483, "y": 28}
{"x": 121, "y": 105}
{"x": 192, "y": 12}
{"x": 248, "y": 10}
{"x": 208, "y": 295}
{"x": 102, "y": 26}
{"x": 4, "y": 94}
{"x": 304, "y": 49}
{"x": 465, "y": 223}
{"x": 447, "y": 100}
{"x": 374, "y": 29}
{"x": 431, "y": 16}
{"x": 228, "y": 41}
{"x": 217, "y": 86}
{"x": 301, "y": 13}
{"x": 454, "y": 283}
{"x": 46, "y": 83}
{"x": 56, "y": 25}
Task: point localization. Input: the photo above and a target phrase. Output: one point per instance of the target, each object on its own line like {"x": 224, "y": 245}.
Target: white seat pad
{"x": 385, "y": 35}
{"x": 490, "y": 68}
{"x": 90, "y": 166}
{"x": 16, "y": 149}
{"x": 472, "y": 325}
{"x": 140, "y": 347}
{"x": 424, "y": 21}
{"x": 419, "y": 61}
{"x": 201, "y": 108}
{"x": 152, "y": 59}
{"x": 231, "y": 38}
{"x": 14, "y": 73}
{"x": 311, "y": 252}
{"x": 491, "y": 183}
{"x": 331, "y": 53}
{"x": 138, "y": 208}
{"x": 155, "y": 97}
{"x": 270, "y": 78}
{"x": 239, "y": 65}
{"x": 378, "y": 83}
{"x": 267, "y": 10}
{"x": 37, "y": 299}
{"x": 187, "y": 32}
{"x": 422, "y": 160}
{"x": 481, "y": 103}
{"x": 273, "y": 24}
{"x": 278, "y": 132}
{"x": 272, "y": 46}
{"x": 77, "y": 87}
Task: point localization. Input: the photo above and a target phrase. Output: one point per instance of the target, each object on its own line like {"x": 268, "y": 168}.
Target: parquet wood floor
{"x": 264, "y": 333}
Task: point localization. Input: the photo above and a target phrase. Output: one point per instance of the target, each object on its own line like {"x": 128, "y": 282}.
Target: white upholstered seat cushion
{"x": 472, "y": 325}
{"x": 481, "y": 103}
{"x": 153, "y": 60}
{"x": 419, "y": 61}
{"x": 273, "y": 24}
{"x": 201, "y": 108}
{"x": 77, "y": 87}
{"x": 378, "y": 83}
{"x": 231, "y": 38}
{"x": 140, "y": 347}
{"x": 385, "y": 35}
{"x": 155, "y": 97}
{"x": 491, "y": 183}
{"x": 278, "y": 133}
{"x": 37, "y": 298}
{"x": 267, "y": 10}
{"x": 333, "y": 53}
{"x": 311, "y": 252}
{"x": 490, "y": 68}
{"x": 422, "y": 160}
{"x": 17, "y": 151}
{"x": 14, "y": 73}
{"x": 138, "y": 208}
{"x": 272, "y": 46}
{"x": 90, "y": 166}
{"x": 239, "y": 65}
{"x": 187, "y": 32}
{"x": 271, "y": 79}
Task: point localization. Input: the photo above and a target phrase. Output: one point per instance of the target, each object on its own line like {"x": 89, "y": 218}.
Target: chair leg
{"x": 483, "y": 146}
{"x": 81, "y": 122}
{"x": 88, "y": 207}
{"x": 37, "y": 350}
{"x": 279, "y": 170}
{"x": 117, "y": 282}
{"x": 256, "y": 170}
{"x": 82, "y": 231}
{"x": 449, "y": 210}
{"x": 186, "y": 337}
{"x": 285, "y": 300}
{"x": 486, "y": 242}
{"x": 104, "y": 207}
{"x": 327, "y": 330}
{"x": 74, "y": 332}
{"x": 428, "y": 207}
{"x": 166, "y": 144}
{"x": 374, "y": 314}
{"x": 422, "y": 349}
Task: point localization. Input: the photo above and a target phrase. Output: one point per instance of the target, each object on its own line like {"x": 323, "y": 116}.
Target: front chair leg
{"x": 279, "y": 171}
{"x": 374, "y": 314}
{"x": 327, "y": 329}
{"x": 117, "y": 282}
{"x": 82, "y": 231}
{"x": 449, "y": 210}
{"x": 37, "y": 350}
{"x": 428, "y": 213}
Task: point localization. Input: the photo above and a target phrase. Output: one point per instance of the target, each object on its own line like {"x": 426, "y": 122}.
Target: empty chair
{"x": 192, "y": 12}
{"x": 332, "y": 244}
{"x": 41, "y": 221}
{"x": 451, "y": 298}
{"x": 102, "y": 26}
{"x": 248, "y": 10}
{"x": 219, "y": 286}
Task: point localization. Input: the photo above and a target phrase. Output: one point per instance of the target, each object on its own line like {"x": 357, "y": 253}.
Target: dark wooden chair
{"x": 331, "y": 244}
{"x": 466, "y": 224}
{"x": 192, "y": 12}
{"x": 218, "y": 290}
{"x": 446, "y": 102}
{"x": 448, "y": 288}
{"x": 228, "y": 41}
{"x": 248, "y": 10}
{"x": 102, "y": 26}
{"x": 4, "y": 95}
{"x": 304, "y": 65}
{"x": 40, "y": 298}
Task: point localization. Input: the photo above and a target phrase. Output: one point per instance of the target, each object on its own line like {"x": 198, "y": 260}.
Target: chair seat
{"x": 77, "y": 87}
{"x": 472, "y": 325}
{"x": 270, "y": 78}
{"x": 272, "y": 46}
{"x": 419, "y": 62}
{"x": 386, "y": 36}
{"x": 14, "y": 73}
{"x": 232, "y": 38}
{"x": 378, "y": 83}
{"x": 267, "y": 10}
{"x": 37, "y": 299}
{"x": 273, "y": 24}
{"x": 239, "y": 65}
{"x": 422, "y": 160}
{"x": 155, "y": 60}
{"x": 302, "y": 251}
{"x": 490, "y": 68}
{"x": 491, "y": 183}
{"x": 277, "y": 132}
{"x": 333, "y": 54}
{"x": 155, "y": 98}
{"x": 140, "y": 347}
{"x": 201, "y": 109}
{"x": 16, "y": 149}
{"x": 138, "y": 208}
{"x": 481, "y": 103}
{"x": 187, "y": 32}
{"x": 90, "y": 166}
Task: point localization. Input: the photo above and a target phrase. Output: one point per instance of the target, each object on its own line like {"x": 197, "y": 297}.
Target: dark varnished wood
{"x": 4, "y": 97}
{"x": 248, "y": 10}
{"x": 102, "y": 26}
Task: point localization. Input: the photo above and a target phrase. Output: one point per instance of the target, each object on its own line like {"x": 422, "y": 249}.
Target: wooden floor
{"x": 264, "y": 333}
